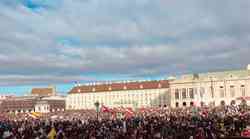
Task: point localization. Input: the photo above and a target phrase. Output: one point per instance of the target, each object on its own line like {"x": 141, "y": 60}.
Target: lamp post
{"x": 212, "y": 87}
{"x": 97, "y": 105}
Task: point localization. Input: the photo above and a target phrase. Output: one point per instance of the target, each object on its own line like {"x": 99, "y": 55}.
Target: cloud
{"x": 66, "y": 40}
{"x": 38, "y": 80}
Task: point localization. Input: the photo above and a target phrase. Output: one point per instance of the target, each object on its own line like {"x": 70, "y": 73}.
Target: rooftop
{"x": 122, "y": 86}
{"x": 222, "y": 74}
{"x": 229, "y": 74}
{"x": 42, "y": 91}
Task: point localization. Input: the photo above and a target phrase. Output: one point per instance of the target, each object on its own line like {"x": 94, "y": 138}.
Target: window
{"x": 177, "y": 94}
{"x": 184, "y": 104}
{"x": 146, "y": 96}
{"x": 191, "y": 103}
{"x": 176, "y": 104}
{"x": 222, "y": 94}
{"x": 202, "y": 92}
{"x": 212, "y": 91}
{"x": 191, "y": 93}
{"x": 162, "y": 99}
{"x": 195, "y": 92}
{"x": 137, "y": 96}
{"x": 232, "y": 91}
{"x": 243, "y": 90}
{"x": 184, "y": 93}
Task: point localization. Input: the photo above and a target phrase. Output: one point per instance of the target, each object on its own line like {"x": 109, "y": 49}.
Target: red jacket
{"x": 245, "y": 133}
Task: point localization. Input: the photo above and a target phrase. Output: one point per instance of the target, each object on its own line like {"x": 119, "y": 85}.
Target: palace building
{"x": 202, "y": 89}
{"x": 210, "y": 88}
{"x": 134, "y": 94}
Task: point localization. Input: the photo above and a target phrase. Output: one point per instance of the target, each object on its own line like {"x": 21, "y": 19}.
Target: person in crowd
{"x": 152, "y": 123}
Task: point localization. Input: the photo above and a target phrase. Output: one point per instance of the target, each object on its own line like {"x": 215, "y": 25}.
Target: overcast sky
{"x": 62, "y": 41}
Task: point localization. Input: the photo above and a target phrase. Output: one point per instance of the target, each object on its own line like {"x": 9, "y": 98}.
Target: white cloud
{"x": 132, "y": 38}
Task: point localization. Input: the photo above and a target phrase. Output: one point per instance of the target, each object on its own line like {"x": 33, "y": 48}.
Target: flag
{"x": 245, "y": 133}
{"x": 105, "y": 109}
{"x": 129, "y": 113}
{"x": 115, "y": 110}
{"x": 122, "y": 109}
{"x": 142, "y": 110}
{"x": 129, "y": 110}
{"x": 52, "y": 134}
{"x": 34, "y": 115}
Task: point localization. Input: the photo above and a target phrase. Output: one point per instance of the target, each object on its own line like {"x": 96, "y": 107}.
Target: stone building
{"x": 134, "y": 94}
{"x": 42, "y": 100}
{"x": 210, "y": 88}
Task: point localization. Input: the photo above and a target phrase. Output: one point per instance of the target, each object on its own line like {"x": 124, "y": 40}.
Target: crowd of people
{"x": 148, "y": 123}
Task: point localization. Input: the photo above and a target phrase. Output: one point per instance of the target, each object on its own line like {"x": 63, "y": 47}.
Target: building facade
{"x": 18, "y": 105}
{"x": 4, "y": 97}
{"x": 32, "y": 104}
{"x": 210, "y": 88}
{"x": 126, "y": 94}
{"x": 41, "y": 100}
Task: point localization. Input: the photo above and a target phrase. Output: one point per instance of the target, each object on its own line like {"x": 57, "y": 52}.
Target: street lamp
{"x": 212, "y": 88}
{"x": 97, "y": 105}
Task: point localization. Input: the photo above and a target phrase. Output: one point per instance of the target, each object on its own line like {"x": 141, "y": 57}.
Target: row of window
{"x": 40, "y": 108}
{"x": 185, "y": 104}
{"x": 110, "y": 102}
{"x": 144, "y": 99}
{"x": 232, "y": 91}
{"x": 117, "y": 96}
{"x": 189, "y": 92}
{"x": 185, "y": 93}
{"x": 110, "y": 97}
{"x": 110, "y": 88}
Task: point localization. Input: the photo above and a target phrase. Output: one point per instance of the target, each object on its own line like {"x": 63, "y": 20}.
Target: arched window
{"x": 222, "y": 94}
{"x": 176, "y": 104}
{"x": 184, "y": 93}
{"x": 243, "y": 90}
{"x": 232, "y": 91}
{"x": 184, "y": 104}
{"x": 177, "y": 94}
{"x": 191, "y": 93}
{"x": 191, "y": 103}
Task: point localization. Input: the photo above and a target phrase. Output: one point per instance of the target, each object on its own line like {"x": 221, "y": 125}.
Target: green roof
{"x": 218, "y": 75}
